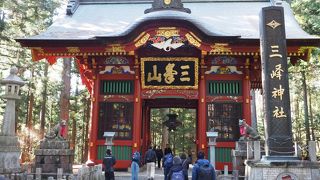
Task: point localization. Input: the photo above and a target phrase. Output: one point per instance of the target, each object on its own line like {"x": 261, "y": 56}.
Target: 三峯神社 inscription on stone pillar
{"x": 275, "y": 82}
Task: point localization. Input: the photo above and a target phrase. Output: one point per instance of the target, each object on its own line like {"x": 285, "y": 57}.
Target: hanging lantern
{"x": 172, "y": 123}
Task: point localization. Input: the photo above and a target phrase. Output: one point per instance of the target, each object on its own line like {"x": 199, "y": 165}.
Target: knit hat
{"x": 176, "y": 160}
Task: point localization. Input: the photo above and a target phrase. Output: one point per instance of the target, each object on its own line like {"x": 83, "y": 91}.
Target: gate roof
{"x": 91, "y": 19}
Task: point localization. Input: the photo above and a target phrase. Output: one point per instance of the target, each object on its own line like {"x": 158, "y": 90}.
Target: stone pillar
{"x": 256, "y": 150}
{"x": 278, "y": 130}
{"x": 249, "y": 150}
{"x": 281, "y": 161}
{"x": 9, "y": 145}
{"x": 312, "y": 150}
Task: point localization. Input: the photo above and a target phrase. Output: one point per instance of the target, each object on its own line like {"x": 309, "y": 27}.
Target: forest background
{"x": 49, "y": 94}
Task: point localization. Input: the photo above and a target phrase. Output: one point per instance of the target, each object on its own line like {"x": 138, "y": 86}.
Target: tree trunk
{"x": 44, "y": 101}
{"x": 86, "y": 134}
{"x": 65, "y": 93}
{"x": 165, "y": 132}
{"x": 297, "y": 114}
{"x": 253, "y": 110}
{"x": 30, "y": 103}
{"x": 311, "y": 116}
{"x": 305, "y": 100}
{"x": 74, "y": 125}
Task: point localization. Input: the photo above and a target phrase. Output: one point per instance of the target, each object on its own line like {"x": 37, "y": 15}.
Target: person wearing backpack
{"x": 108, "y": 162}
{"x": 135, "y": 165}
{"x": 176, "y": 172}
{"x": 202, "y": 169}
{"x": 167, "y": 164}
{"x": 150, "y": 160}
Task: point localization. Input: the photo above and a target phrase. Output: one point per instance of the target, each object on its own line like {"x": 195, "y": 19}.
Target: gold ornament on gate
{"x": 167, "y": 2}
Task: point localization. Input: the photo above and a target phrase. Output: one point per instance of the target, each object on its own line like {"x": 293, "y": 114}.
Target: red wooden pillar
{"x": 137, "y": 110}
{"x": 246, "y": 93}
{"x": 202, "y": 125}
{"x": 94, "y": 119}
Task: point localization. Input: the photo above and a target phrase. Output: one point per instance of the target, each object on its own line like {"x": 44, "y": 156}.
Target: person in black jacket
{"x": 185, "y": 161}
{"x": 167, "y": 150}
{"x": 108, "y": 162}
{"x": 150, "y": 160}
{"x": 159, "y": 153}
{"x": 176, "y": 171}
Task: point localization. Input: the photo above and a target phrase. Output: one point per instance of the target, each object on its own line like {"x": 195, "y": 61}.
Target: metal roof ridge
{"x": 73, "y": 5}
{"x": 150, "y": 1}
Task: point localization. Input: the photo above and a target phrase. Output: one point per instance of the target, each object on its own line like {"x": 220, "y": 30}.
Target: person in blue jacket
{"x": 202, "y": 169}
{"x": 135, "y": 165}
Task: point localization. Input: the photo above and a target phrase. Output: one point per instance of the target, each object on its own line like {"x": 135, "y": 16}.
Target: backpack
{"x": 136, "y": 156}
{"x": 168, "y": 161}
{"x": 205, "y": 171}
{"x": 178, "y": 175}
{"x": 185, "y": 164}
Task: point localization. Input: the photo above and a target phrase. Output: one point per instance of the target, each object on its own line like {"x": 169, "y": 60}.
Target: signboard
{"x": 169, "y": 73}
{"x": 275, "y": 82}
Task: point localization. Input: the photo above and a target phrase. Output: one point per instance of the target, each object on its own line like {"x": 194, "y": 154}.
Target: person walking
{"x": 202, "y": 169}
{"x": 167, "y": 149}
{"x": 176, "y": 172}
{"x": 135, "y": 165}
{"x": 159, "y": 153}
{"x": 108, "y": 162}
{"x": 150, "y": 160}
{"x": 167, "y": 164}
{"x": 185, "y": 162}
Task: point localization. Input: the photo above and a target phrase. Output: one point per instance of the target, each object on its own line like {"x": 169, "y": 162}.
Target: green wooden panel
{"x": 237, "y": 88}
{"x": 122, "y": 87}
{"x": 120, "y": 152}
{"x": 108, "y": 87}
{"x": 127, "y": 88}
{"x": 116, "y": 87}
{"x": 223, "y": 155}
{"x": 233, "y": 88}
{"x": 224, "y": 88}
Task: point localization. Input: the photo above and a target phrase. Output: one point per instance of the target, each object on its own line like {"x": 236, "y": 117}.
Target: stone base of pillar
{"x": 282, "y": 169}
{"x": 54, "y": 154}
{"x": 9, "y": 155}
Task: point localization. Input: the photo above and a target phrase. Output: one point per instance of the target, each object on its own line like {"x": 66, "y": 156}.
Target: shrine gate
{"x": 134, "y": 55}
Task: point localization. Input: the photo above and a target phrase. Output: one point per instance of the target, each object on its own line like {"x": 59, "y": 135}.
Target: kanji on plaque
{"x": 278, "y": 112}
{"x": 170, "y": 73}
{"x": 156, "y": 76}
{"x": 277, "y": 73}
{"x": 185, "y": 73}
{"x": 275, "y": 52}
{"x": 278, "y": 92}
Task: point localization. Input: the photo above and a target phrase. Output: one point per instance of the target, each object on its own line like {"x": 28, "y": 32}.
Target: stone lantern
{"x": 109, "y": 139}
{"x": 212, "y": 144}
{"x": 9, "y": 145}
{"x": 12, "y": 87}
